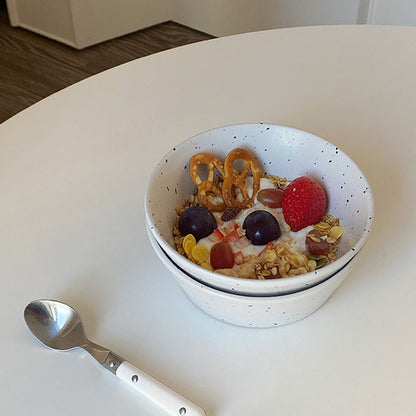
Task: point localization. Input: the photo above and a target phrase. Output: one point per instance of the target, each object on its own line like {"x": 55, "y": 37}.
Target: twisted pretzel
{"x": 207, "y": 189}
{"x": 234, "y": 180}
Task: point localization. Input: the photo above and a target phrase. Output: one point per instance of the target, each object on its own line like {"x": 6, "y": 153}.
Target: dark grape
{"x": 261, "y": 227}
{"x": 197, "y": 221}
{"x": 221, "y": 256}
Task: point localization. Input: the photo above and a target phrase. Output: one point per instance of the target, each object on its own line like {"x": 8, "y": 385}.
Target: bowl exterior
{"x": 283, "y": 151}
{"x": 254, "y": 312}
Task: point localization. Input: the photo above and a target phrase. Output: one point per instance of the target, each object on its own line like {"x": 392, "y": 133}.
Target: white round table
{"x": 73, "y": 172}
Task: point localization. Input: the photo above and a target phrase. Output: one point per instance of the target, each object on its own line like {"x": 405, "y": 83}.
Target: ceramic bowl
{"x": 279, "y": 150}
{"x": 258, "y": 311}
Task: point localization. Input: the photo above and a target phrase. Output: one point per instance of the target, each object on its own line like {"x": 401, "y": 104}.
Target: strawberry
{"x": 232, "y": 237}
{"x": 269, "y": 246}
{"x": 216, "y": 236}
{"x": 239, "y": 258}
{"x": 304, "y": 203}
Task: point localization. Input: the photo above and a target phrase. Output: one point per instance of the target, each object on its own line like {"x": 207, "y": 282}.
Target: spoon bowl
{"x": 55, "y": 324}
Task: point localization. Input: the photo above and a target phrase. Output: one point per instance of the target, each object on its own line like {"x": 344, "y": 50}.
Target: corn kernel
{"x": 188, "y": 246}
{"x": 207, "y": 266}
{"x": 188, "y": 237}
{"x": 200, "y": 253}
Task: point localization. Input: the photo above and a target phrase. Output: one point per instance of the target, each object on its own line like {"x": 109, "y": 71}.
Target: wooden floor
{"x": 33, "y": 67}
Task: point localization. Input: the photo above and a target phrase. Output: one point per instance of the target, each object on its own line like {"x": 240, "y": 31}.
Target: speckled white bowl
{"x": 283, "y": 151}
{"x": 254, "y": 311}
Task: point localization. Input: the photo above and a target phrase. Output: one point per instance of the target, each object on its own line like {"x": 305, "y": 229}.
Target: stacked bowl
{"x": 282, "y": 151}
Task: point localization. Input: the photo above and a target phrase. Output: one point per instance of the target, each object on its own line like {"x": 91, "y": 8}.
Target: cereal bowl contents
{"x": 254, "y": 226}
{"x": 259, "y": 209}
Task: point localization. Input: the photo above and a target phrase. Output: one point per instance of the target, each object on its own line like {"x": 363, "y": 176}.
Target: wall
{"x": 81, "y": 23}
{"x": 392, "y": 12}
{"x": 228, "y": 17}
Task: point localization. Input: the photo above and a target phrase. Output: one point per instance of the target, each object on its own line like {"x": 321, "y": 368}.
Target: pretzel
{"x": 207, "y": 189}
{"x": 233, "y": 179}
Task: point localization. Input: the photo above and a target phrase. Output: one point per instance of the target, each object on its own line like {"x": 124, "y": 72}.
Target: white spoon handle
{"x": 170, "y": 401}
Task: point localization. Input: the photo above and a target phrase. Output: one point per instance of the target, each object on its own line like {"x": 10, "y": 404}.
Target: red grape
{"x": 272, "y": 197}
{"x": 221, "y": 256}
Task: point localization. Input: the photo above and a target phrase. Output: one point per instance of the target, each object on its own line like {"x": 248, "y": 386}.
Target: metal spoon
{"x": 59, "y": 327}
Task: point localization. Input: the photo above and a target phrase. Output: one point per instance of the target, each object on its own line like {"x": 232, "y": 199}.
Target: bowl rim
{"x": 309, "y": 291}
{"x": 267, "y": 284}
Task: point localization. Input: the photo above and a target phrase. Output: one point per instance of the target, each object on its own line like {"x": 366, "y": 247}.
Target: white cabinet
{"x": 51, "y": 18}
{"x": 81, "y": 23}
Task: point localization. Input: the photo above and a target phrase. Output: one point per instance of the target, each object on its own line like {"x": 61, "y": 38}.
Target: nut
{"x": 336, "y": 232}
{"x": 269, "y": 255}
{"x": 331, "y": 240}
{"x": 322, "y": 226}
{"x": 275, "y": 271}
{"x": 314, "y": 237}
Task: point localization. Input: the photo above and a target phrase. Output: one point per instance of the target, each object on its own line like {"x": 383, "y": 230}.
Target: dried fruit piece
{"x": 230, "y": 213}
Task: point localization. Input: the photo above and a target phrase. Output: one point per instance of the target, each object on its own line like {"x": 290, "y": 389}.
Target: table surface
{"x": 73, "y": 172}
